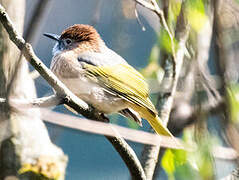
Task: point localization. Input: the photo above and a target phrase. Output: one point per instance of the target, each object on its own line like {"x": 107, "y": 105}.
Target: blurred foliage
{"x": 40, "y": 171}
{"x": 165, "y": 42}
{"x": 233, "y": 102}
{"x": 197, "y": 164}
{"x": 173, "y": 13}
{"x": 153, "y": 69}
{"x": 196, "y": 14}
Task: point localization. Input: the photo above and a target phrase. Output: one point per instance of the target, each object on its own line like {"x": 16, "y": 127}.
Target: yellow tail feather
{"x": 157, "y": 125}
{"x": 153, "y": 120}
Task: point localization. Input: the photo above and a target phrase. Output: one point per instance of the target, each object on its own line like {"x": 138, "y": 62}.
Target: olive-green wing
{"x": 125, "y": 81}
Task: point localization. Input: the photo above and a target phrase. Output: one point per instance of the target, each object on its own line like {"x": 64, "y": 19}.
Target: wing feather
{"x": 124, "y": 80}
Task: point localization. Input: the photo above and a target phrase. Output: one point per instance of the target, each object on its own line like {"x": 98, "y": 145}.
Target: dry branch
{"x": 233, "y": 176}
{"x": 150, "y": 153}
{"x": 43, "y": 102}
{"x": 153, "y": 6}
{"x": 24, "y": 142}
{"x": 111, "y": 130}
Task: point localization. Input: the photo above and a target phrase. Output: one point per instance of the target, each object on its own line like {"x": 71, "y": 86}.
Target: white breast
{"x": 95, "y": 95}
{"x": 69, "y": 71}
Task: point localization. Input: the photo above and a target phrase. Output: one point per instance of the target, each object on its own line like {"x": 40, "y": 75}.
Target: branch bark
{"x": 150, "y": 153}
{"x": 43, "y": 102}
{"x": 233, "y": 176}
{"x": 130, "y": 159}
{"x": 153, "y": 6}
{"x": 24, "y": 142}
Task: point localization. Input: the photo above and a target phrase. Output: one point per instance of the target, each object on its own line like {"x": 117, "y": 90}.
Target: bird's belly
{"x": 95, "y": 95}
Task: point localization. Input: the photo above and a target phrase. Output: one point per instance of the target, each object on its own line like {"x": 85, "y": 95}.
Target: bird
{"x": 101, "y": 77}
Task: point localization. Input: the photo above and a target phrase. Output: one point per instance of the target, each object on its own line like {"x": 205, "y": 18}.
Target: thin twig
{"x": 137, "y": 17}
{"x": 108, "y": 129}
{"x": 73, "y": 101}
{"x": 153, "y": 6}
{"x": 44, "y": 102}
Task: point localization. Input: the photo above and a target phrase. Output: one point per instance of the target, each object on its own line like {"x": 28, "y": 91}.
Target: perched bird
{"x": 101, "y": 77}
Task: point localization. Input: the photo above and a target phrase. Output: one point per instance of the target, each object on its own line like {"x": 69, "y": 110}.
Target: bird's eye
{"x": 68, "y": 41}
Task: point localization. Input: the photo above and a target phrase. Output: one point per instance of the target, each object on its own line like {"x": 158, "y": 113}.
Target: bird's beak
{"x": 52, "y": 36}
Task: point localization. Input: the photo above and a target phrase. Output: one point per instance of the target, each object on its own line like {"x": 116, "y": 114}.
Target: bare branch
{"x": 43, "y": 102}
{"x": 131, "y": 159}
{"x": 146, "y": 5}
{"x": 233, "y": 176}
{"x": 106, "y": 129}
{"x": 111, "y": 130}
{"x": 86, "y": 125}
{"x": 153, "y": 6}
{"x": 150, "y": 153}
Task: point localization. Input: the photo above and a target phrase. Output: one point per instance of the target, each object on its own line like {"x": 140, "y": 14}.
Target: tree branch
{"x": 43, "y": 102}
{"x": 62, "y": 91}
{"x": 233, "y": 176}
{"x": 24, "y": 141}
{"x": 150, "y": 153}
{"x": 153, "y": 6}
{"x": 127, "y": 133}
{"x": 130, "y": 159}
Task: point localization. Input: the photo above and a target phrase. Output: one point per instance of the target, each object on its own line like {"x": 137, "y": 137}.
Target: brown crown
{"x": 80, "y": 32}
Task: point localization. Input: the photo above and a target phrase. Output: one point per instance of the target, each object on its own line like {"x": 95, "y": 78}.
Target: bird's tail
{"x": 158, "y": 126}
{"x": 153, "y": 120}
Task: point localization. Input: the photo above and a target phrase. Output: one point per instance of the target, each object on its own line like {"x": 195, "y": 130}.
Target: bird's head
{"x": 79, "y": 38}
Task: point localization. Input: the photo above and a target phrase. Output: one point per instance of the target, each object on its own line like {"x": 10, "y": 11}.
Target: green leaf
{"x": 233, "y": 101}
{"x": 165, "y": 41}
{"x": 168, "y": 162}
{"x": 154, "y": 55}
{"x": 196, "y": 15}
{"x": 201, "y": 160}
{"x": 173, "y": 12}
{"x": 194, "y": 165}
{"x": 175, "y": 161}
